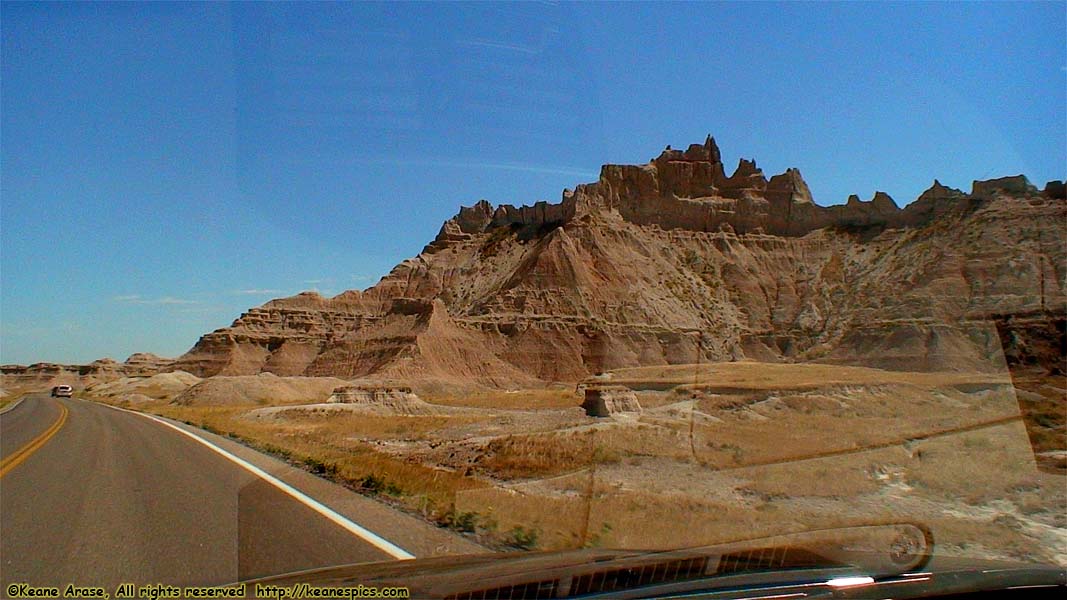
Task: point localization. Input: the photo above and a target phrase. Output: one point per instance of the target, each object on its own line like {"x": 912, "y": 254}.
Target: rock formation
{"x": 142, "y": 364}
{"x": 371, "y": 393}
{"x": 672, "y": 262}
{"x": 264, "y": 388}
{"x": 607, "y": 400}
{"x": 381, "y": 398}
{"x": 46, "y": 375}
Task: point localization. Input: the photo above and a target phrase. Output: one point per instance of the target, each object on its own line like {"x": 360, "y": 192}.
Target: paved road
{"x": 113, "y": 497}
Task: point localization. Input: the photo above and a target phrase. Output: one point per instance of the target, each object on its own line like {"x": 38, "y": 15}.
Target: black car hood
{"x": 876, "y": 550}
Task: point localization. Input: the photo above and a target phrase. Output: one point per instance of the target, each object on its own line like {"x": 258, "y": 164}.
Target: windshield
{"x": 356, "y": 282}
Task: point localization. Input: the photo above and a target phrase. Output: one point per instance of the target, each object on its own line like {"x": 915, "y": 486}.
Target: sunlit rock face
{"x": 604, "y": 401}
{"x": 143, "y": 364}
{"x": 381, "y": 398}
{"x": 675, "y": 261}
{"x": 40, "y": 376}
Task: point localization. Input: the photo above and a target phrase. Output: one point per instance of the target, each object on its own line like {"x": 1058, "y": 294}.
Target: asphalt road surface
{"x": 91, "y": 495}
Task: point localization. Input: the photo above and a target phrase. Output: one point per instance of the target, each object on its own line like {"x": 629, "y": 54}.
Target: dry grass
{"x": 375, "y": 427}
{"x": 836, "y": 478}
{"x": 546, "y": 455}
{"x": 557, "y": 520}
{"x": 14, "y": 392}
{"x": 643, "y": 520}
{"x": 839, "y": 446}
{"x": 330, "y": 448}
{"x": 1043, "y": 400}
{"x": 522, "y": 457}
{"x": 606, "y": 516}
{"x": 791, "y": 427}
{"x": 595, "y": 507}
{"x": 507, "y": 400}
{"x": 752, "y": 375}
{"x": 746, "y": 436}
{"x": 976, "y": 467}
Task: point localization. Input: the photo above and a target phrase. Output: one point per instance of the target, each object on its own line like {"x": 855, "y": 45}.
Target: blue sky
{"x": 165, "y": 167}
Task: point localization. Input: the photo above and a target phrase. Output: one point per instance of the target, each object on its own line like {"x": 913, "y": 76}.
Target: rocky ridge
{"x": 42, "y": 375}
{"x": 676, "y": 262}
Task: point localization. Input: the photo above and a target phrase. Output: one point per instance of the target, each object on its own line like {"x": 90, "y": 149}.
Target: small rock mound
{"x": 607, "y": 400}
{"x": 133, "y": 399}
{"x": 163, "y": 385}
{"x": 146, "y": 363}
{"x": 265, "y": 388}
{"x": 386, "y": 399}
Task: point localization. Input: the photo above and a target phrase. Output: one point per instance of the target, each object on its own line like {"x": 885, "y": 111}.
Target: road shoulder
{"x": 10, "y": 407}
{"x": 409, "y": 532}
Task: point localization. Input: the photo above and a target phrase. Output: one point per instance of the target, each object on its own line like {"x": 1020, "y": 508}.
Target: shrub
{"x": 466, "y": 522}
{"x": 319, "y": 467}
{"x": 372, "y": 483}
{"x": 523, "y": 538}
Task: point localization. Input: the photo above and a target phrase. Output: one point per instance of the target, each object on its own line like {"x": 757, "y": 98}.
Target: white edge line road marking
{"x": 369, "y": 536}
{"x": 12, "y": 405}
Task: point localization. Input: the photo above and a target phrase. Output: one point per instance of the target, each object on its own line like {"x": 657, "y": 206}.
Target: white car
{"x": 62, "y": 391}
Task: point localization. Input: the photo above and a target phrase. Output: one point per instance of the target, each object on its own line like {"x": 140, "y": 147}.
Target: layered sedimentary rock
{"x": 371, "y": 393}
{"x": 675, "y": 261}
{"x": 44, "y": 375}
{"x": 607, "y": 400}
{"x": 383, "y": 398}
{"x": 144, "y": 364}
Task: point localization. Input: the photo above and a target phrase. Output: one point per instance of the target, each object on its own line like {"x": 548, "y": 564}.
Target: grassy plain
{"x": 720, "y": 452}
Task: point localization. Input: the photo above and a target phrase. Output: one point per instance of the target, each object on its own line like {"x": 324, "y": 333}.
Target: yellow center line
{"x": 24, "y": 452}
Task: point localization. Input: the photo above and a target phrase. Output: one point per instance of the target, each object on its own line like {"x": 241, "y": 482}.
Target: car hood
{"x": 876, "y": 551}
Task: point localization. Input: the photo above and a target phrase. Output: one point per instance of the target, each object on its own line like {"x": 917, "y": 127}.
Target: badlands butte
{"x": 748, "y": 362}
{"x": 675, "y": 262}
